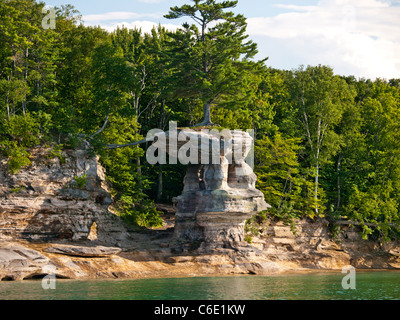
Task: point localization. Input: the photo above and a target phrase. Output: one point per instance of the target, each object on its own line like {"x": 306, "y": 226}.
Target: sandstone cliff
{"x": 54, "y": 217}
{"x": 54, "y": 198}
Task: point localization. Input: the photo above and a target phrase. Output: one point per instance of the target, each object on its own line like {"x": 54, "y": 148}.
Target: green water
{"x": 369, "y": 286}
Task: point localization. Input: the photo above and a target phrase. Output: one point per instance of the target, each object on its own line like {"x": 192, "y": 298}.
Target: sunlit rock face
{"x": 57, "y": 198}
{"x": 218, "y": 198}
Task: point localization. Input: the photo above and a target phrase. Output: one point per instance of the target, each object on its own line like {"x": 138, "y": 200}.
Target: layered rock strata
{"x": 219, "y": 188}
{"x": 55, "y": 198}
{"x": 65, "y": 199}
{"x": 275, "y": 250}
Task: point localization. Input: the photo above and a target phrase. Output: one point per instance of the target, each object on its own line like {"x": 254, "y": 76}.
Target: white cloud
{"x": 359, "y": 37}
{"x": 110, "y": 21}
{"x": 116, "y": 15}
{"x": 144, "y": 25}
{"x": 151, "y": 1}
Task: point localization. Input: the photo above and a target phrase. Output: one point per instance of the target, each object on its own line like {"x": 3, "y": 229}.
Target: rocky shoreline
{"x": 151, "y": 255}
{"x": 49, "y": 222}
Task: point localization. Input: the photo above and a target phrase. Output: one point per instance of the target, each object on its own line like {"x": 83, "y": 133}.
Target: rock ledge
{"x": 81, "y": 251}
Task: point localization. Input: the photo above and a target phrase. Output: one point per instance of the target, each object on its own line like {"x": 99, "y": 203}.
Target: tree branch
{"x": 119, "y": 146}
{"x": 356, "y": 223}
{"x": 102, "y": 128}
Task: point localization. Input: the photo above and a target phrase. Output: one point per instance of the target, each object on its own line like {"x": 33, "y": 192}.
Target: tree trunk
{"x": 207, "y": 113}
{"x": 118, "y": 146}
{"x": 8, "y": 106}
{"x": 207, "y": 116}
{"x": 26, "y": 79}
{"x": 339, "y": 187}
{"x": 316, "y": 189}
{"x": 160, "y": 184}
{"x": 14, "y": 52}
{"x": 207, "y": 106}
{"x": 26, "y": 64}
{"x": 318, "y": 148}
{"x": 203, "y": 39}
{"x": 139, "y": 172}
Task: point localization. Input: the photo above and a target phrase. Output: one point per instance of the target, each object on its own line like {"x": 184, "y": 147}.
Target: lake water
{"x": 322, "y": 286}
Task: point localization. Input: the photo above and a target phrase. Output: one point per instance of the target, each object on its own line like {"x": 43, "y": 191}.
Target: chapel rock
{"x": 218, "y": 196}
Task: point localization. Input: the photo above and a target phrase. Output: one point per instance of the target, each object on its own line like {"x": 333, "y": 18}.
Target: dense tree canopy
{"x": 326, "y": 145}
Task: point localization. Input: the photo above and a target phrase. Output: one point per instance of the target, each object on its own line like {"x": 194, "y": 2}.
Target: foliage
{"x": 143, "y": 214}
{"x": 128, "y": 184}
{"x": 56, "y": 152}
{"x": 373, "y": 206}
{"x": 326, "y": 146}
{"x": 80, "y": 182}
{"x": 211, "y": 60}
{"x": 17, "y": 156}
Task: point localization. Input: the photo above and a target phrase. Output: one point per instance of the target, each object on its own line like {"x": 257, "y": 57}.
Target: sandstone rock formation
{"x": 276, "y": 250}
{"x": 66, "y": 200}
{"x": 18, "y": 262}
{"x": 311, "y": 246}
{"x": 57, "y": 198}
{"x": 219, "y": 189}
{"x": 83, "y": 251}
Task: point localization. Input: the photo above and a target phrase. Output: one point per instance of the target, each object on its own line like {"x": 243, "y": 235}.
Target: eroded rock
{"x": 84, "y": 251}
{"x": 220, "y": 196}
{"x": 45, "y": 201}
{"x": 18, "y": 262}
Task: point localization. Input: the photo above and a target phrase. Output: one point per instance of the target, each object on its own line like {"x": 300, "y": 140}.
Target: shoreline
{"x": 54, "y": 225}
{"x": 134, "y": 264}
{"x": 206, "y": 276}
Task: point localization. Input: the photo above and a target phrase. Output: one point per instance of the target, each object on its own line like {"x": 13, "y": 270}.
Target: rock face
{"x": 276, "y": 250}
{"x": 218, "y": 198}
{"x": 84, "y": 251}
{"x": 57, "y": 198}
{"x": 66, "y": 200}
{"x": 312, "y": 247}
{"x": 18, "y": 262}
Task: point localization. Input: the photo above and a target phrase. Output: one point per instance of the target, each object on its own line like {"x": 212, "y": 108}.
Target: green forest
{"x": 327, "y": 146}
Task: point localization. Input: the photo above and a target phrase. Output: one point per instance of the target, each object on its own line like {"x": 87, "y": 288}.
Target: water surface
{"x": 325, "y": 286}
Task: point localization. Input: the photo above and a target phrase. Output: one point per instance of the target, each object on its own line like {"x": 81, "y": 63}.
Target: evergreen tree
{"x": 211, "y": 61}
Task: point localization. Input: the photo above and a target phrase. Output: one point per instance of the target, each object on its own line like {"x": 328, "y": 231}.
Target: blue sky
{"x": 251, "y": 8}
{"x": 354, "y": 37}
